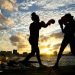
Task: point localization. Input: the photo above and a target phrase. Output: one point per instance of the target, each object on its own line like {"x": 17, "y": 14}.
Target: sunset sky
{"x": 15, "y": 19}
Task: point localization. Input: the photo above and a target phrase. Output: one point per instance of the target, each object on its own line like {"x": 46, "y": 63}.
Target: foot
{"x": 27, "y": 64}
{"x": 43, "y": 66}
{"x": 55, "y": 66}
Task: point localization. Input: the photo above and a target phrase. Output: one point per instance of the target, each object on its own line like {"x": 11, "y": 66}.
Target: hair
{"x": 34, "y": 17}
{"x": 68, "y": 15}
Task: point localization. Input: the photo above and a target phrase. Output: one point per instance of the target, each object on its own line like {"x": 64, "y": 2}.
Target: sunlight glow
{"x": 46, "y": 51}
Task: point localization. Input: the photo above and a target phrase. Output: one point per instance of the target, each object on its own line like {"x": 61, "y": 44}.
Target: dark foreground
{"x": 62, "y": 70}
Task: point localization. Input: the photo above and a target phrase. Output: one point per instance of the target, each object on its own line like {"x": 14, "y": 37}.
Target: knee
{"x": 33, "y": 53}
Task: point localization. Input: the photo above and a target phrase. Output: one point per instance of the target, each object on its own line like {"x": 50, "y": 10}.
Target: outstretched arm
{"x": 52, "y": 21}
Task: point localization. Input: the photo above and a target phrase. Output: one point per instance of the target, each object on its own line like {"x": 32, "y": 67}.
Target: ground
{"x": 62, "y": 70}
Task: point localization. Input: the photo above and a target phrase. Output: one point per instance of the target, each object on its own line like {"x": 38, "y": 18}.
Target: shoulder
{"x": 74, "y": 21}
{"x": 42, "y": 23}
{"x": 31, "y": 23}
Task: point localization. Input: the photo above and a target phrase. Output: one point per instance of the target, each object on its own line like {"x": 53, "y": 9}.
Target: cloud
{"x": 9, "y": 22}
{"x": 13, "y": 1}
{"x": 57, "y": 46}
{"x": 1, "y": 2}
{"x": 2, "y": 18}
{"x": 51, "y": 42}
{"x": 19, "y": 1}
{"x": 54, "y": 36}
{"x": 2, "y": 27}
{"x": 6, "y": 13}
{"x": 5, "y": 43}
{"x": 18, "y": 38}
{"x": 6, "y": 21}
{"x": 31, "y": 8}
{"x": 46, "y": 9}
{"x": 7, "y": 5}
{"x": 57, "y": 35}
{"x": 20, "y": 41}
{"x": 14, "y": 39}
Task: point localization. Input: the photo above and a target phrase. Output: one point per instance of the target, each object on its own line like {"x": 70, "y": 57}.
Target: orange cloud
{"x": 9, "y": 21}
{"x": 20, "y": 40}
{"x": 14, "y": 39}
{"x": 55, "y": 47}
{"x": 2, "y": 18}
{"x": 5, "y": 43}
{"x": 13, "y": 1}
{"x": 47, "y": 44}
{"x": 7, "y": 5}
{"x": 6, "y": 21}
{"x": 57, "y": 35}
{"x": 22, "y": 46}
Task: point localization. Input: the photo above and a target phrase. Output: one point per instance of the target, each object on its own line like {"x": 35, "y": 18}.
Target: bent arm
{"x": 61, "y": 25}
{"x": 43, "y": 24}
{"x": 52, "y": 21}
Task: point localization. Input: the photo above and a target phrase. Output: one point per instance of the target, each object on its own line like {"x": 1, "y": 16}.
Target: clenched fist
{"x": 51, "y": 21}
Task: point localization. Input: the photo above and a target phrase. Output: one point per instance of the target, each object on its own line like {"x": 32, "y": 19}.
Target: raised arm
{"x": 52, "y": 21}
{"x": 61, "y": 25}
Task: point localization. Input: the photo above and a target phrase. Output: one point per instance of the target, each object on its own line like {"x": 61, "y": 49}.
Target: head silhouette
{"x": 35, "y": 17}
{"x": 68, "y": 17}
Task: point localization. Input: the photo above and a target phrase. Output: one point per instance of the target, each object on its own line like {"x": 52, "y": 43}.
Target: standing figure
{"x": 69, "y": 30}
{"x": 35, "y": 26}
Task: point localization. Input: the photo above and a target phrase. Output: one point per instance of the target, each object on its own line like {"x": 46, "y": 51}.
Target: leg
{"x": 72, "y": 45}
{"x": 38, "y": 56}
{"x": 29, "y": 56}
{"x": 63, "y": 45}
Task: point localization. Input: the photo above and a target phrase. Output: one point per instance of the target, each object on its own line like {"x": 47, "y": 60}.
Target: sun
{"x": 46, "y": 51}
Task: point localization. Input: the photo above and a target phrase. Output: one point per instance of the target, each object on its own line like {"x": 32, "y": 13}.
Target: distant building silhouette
{"x": 9, "y": 53}
{"x": 15, "y": 52}
{"x": 3, "y": 53}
